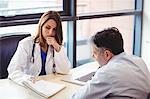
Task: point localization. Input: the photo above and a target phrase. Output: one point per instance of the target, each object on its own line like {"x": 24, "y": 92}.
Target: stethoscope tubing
{"x": 32, "y": 58}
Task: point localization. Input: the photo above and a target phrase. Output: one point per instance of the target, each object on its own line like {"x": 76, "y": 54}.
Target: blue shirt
{"x": 43, "y": 57}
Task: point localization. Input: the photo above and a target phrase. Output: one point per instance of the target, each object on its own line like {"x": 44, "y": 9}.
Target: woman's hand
{"x": 52, "y": 41}
{"x": 32, "y": 79}
{"x": 35, "y": 79}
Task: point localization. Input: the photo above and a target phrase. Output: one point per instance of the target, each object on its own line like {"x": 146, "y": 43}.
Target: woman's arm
{"x": 62, "y": 62}
{"x": 18, "y": 64}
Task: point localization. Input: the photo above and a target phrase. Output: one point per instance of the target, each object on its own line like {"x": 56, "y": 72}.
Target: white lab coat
{"x": 22, "y": 68}
{"x": 123, "y": 77}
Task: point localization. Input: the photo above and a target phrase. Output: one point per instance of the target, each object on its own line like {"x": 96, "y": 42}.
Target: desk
{"x": 9, "y": 89}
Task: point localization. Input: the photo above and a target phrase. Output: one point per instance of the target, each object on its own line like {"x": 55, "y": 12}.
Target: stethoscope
{"x": 32, "y": 58}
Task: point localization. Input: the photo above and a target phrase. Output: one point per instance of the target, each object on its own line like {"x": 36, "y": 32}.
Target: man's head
{"x": 106, "y": 44}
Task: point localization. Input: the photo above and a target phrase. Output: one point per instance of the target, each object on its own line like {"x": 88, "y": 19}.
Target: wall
{"x": 146, "y": 33}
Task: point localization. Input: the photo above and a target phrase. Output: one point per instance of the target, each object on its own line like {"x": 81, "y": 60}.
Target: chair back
{"x": 8, "y": 46}
{"x": 148, "y": 96}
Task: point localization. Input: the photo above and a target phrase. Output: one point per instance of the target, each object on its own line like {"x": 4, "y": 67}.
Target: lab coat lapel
{"x": 37, "y": 59}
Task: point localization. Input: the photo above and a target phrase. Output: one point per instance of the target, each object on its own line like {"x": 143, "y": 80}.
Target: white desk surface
{"x": 11, "y": 90}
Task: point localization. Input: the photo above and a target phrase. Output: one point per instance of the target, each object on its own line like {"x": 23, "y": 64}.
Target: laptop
{"x": 78, "y": 80}
{"x": 81, "y": 74}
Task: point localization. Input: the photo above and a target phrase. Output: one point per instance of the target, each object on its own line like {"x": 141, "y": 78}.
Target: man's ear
{"x": 108, "y": 55}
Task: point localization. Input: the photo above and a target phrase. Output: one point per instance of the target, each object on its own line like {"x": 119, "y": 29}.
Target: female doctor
{"x": 42, "y": 54}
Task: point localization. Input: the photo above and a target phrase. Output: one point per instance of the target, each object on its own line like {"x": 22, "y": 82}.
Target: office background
{"x": 81, "y": 19}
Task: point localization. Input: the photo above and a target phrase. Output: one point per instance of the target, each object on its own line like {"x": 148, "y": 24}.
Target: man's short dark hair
{"x": 110, "y": 39}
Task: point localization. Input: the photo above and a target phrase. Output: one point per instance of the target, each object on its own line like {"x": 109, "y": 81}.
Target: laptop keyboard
{"x": 87, "y": 77}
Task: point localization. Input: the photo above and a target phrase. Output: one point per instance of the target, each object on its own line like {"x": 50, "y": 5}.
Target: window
{"x": 93, "y": 16}
{"x": 22, "y": 12}
{"x": 93, "y": 6}
{"x": 87, "y": 28}
{"x": 16, "y": 7}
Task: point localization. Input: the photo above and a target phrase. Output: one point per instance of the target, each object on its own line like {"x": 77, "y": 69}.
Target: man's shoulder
{"x": 134, "y": 59}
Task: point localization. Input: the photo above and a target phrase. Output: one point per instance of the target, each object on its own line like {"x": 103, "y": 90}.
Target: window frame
{"x": 26, "y": 19}
{"x": 69, "y": 14}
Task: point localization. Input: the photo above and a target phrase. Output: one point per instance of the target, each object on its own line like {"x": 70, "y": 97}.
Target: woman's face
{"x": 49, "y": 29}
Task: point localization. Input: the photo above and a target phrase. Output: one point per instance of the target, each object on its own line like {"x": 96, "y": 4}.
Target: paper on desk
{"x": 44, "y": 88}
